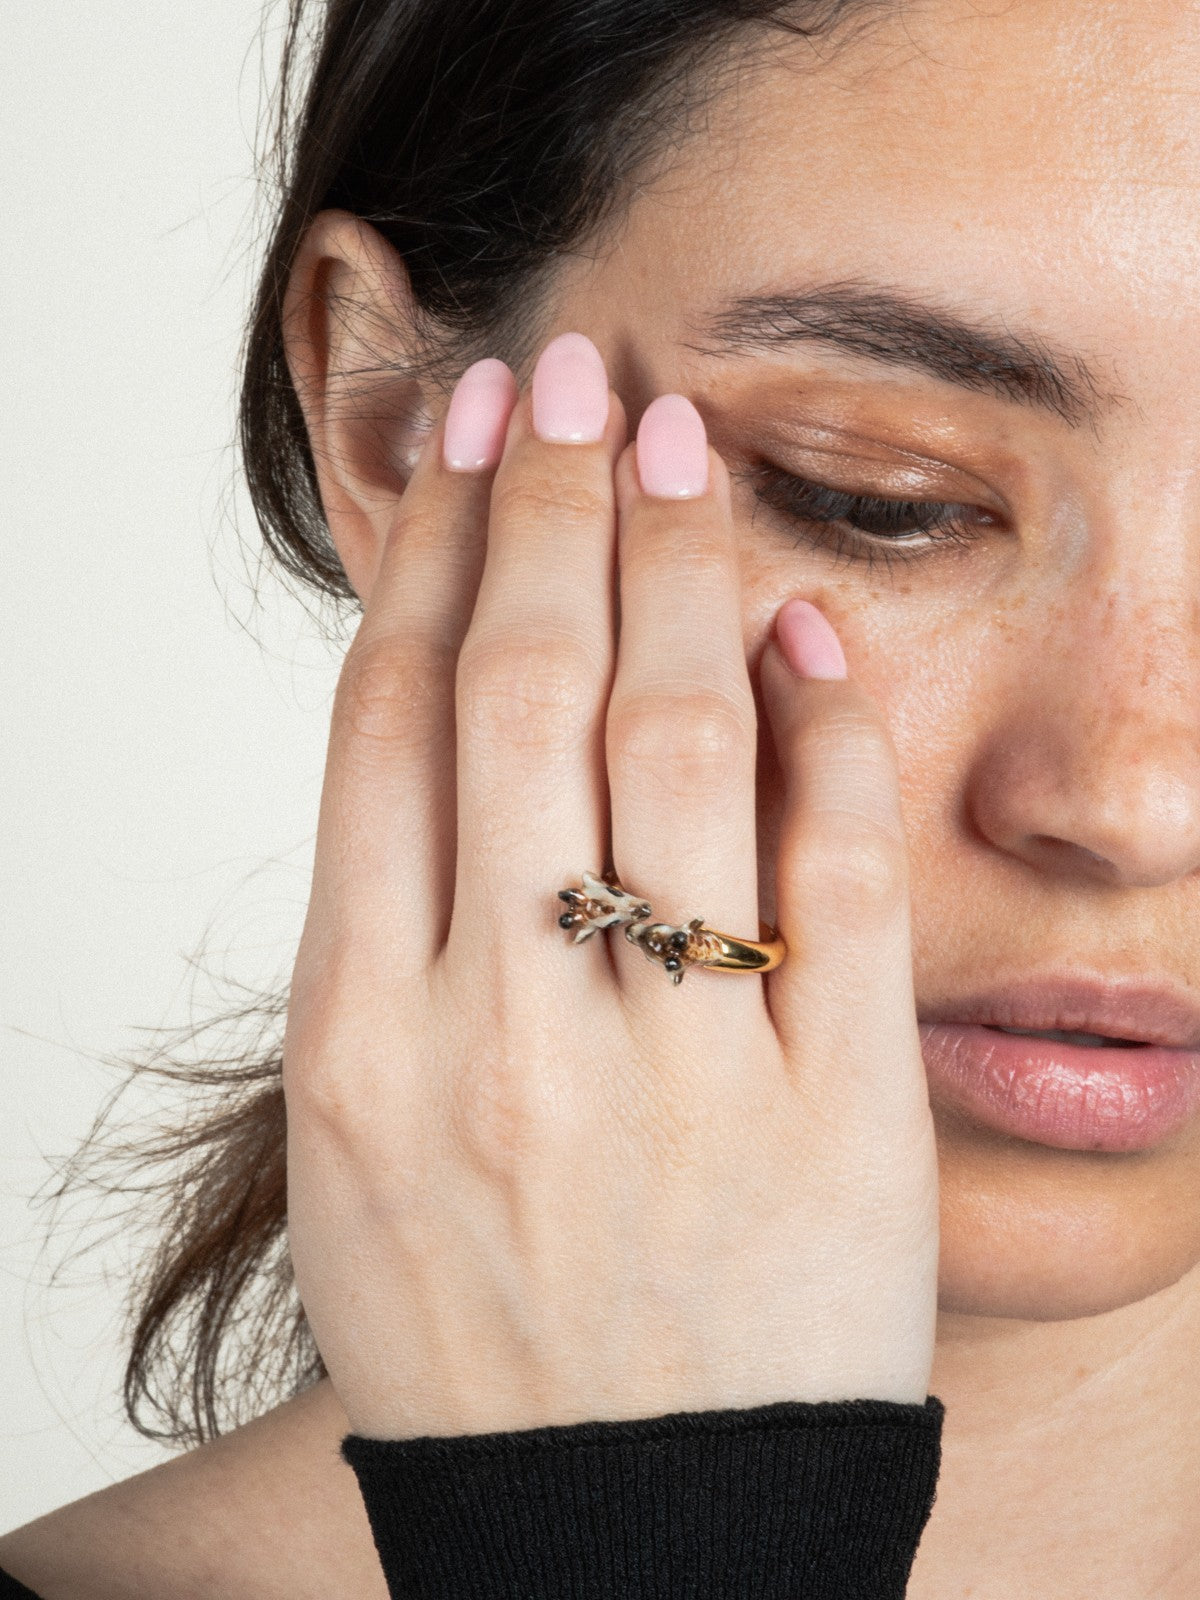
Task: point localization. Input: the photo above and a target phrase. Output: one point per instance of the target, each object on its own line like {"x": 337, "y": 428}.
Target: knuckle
{"x": 681, "y": 551}
{"x": 686, "y": 742}
{"x": 319, "y": 1097}
{"x": 857, "y": 728}
{"x": 854, "y": 872}
{"x": 533, "y": 691}
{"x": 487, "y": 1129}
{"x": 848, "y": 737}
{"x": 534, "y": 500}
{"x": 509, "y": 1115}
{"x": 420, "y": 528}
{"x": 387, "y": 692}
{"x": 320, "y": 1089}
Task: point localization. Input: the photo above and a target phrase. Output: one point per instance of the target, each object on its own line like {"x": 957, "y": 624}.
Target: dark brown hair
{"x": 481, "y": 138}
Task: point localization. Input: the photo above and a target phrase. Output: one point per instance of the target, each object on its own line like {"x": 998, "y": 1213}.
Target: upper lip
{"x": 1119, "y": 1008}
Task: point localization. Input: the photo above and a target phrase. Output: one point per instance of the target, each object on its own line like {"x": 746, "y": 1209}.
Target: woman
{"x": 761, "y": 440}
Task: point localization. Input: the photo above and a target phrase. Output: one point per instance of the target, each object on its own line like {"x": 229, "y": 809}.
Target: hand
{"x": 533, "y": 1181}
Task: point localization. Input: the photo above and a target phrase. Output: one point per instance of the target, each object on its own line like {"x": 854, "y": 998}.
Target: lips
{"x": 1117, "y": 1008}
{"x": 1063, "y": 1036}
{"x": 1065, "y": 1093}
{"x": 1073, "y": 1097}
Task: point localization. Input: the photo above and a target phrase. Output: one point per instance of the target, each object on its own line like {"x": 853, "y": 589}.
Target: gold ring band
{"x": 603, "y": 903}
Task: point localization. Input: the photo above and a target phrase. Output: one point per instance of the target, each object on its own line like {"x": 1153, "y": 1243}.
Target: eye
{"x": 865, "y": 526}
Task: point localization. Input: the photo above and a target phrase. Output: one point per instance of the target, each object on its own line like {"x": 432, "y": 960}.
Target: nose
{"x": 1091, "y": 768}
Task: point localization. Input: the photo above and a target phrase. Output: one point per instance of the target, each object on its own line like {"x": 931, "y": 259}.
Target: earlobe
{"x": 351, "y": 346}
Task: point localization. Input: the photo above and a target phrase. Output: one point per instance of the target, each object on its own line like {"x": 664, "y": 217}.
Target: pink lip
{"x": 1074, "y": 1097}
{"x": 1122, "y": 1008}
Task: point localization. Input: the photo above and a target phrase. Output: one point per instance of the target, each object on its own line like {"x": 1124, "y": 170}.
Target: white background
{"x": 164, "y": 731}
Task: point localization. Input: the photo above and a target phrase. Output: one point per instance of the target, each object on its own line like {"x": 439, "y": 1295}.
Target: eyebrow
{"x": 904, "y": 329}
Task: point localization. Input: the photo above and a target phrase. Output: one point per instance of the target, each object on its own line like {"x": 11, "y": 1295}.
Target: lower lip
{"x": 1074, "y": 1097}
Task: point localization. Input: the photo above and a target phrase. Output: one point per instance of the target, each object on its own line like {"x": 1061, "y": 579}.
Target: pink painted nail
{"x": 809, "y": 645}
{"x": 570, "y": 392}
{"x": 672, "y": 449}
{"x": 477, "y": 420}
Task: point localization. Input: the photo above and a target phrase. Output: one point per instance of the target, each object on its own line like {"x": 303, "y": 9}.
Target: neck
{"x": 1069, "y": 1462}
{"x": 267, "y": 1510}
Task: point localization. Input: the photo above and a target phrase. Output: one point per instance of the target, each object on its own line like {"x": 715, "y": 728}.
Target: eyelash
{"x": 838, "y": 517}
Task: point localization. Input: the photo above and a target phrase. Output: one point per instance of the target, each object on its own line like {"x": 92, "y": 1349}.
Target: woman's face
{"x": 1036, "y": 173}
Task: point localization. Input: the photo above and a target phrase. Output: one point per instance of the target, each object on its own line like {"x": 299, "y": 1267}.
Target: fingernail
{"x": 477, "y": 420}
{"x": 672, "y": 449}
{"x": 570, "y": 392}
{"x": 807, "y": 641}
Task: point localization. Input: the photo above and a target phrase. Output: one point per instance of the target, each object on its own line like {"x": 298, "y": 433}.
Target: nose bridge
{"x": 1129, "y": 591}
{"x": 1099, "y": 773}
{"x": 1137, "y": 591}
{"x": 1132, "y": 646}
{"x": 1092, "y": 768}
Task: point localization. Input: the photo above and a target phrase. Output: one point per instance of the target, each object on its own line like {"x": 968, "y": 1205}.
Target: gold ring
{"x": 603, "y": 903}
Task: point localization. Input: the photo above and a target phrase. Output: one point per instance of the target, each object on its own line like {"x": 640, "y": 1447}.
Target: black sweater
{"x": 796, "y": 1501}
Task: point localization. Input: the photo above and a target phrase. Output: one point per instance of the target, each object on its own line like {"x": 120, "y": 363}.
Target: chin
{"x": 1041, "y": 1234}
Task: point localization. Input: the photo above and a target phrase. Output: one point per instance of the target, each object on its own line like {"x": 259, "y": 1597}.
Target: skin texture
{"x": 1037, "y": 165}
{"x": 269, "y": 1512}
{"x": 677, "y": 1199}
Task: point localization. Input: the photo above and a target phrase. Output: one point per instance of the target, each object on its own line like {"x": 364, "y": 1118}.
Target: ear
{"x": 349, "y": 330}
